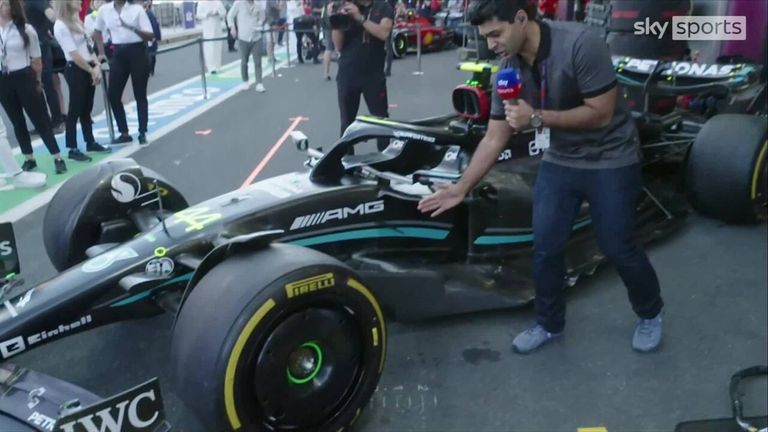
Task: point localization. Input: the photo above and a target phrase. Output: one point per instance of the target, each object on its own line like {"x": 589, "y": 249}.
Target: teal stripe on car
{"x": 425, "y": 233}
{"x": 517, "y": 238}
{"x": 134, "y": 298}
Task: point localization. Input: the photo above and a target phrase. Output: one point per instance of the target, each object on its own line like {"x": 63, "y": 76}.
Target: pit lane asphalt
{"x": 458, "y": 374}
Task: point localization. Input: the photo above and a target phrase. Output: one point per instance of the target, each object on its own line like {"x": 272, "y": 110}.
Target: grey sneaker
{"x": 647, "y": 337}
{"x": 532, "y": 339}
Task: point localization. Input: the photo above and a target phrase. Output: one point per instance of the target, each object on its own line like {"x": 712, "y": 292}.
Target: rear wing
{"x": 683, "y": 78}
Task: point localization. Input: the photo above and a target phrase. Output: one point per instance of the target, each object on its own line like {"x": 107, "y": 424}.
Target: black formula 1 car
{"x": 281, "y": 288}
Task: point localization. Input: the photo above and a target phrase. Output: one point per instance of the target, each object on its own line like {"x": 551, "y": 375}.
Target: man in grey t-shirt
{"x": 591, "y": 153}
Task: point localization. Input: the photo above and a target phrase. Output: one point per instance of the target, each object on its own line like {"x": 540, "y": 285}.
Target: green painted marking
{"x": 316, "y": 369}
{"x": 13, "y": 198}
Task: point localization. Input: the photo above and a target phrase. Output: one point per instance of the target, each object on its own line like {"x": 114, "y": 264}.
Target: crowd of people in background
{"x": 44, "y": 39}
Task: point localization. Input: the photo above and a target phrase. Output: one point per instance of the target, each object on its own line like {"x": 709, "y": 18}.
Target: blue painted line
{"x": 518, "y": 238}
{"x": 134, "y": 298}
{"x": 426, "y": 233}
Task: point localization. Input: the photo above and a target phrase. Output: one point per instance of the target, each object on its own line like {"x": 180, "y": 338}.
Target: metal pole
{"x": 271, "y": 57}
{"x": 287, "y": 40}
{"x": 107, "y": 107}
{"x": 202, "y": 67}
{"x": 418, "y": 50}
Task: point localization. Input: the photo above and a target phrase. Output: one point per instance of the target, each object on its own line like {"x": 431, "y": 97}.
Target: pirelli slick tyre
{"x": 94, "y": 206}
{"x": 726, "y": 169}
{"x": 399, "y": 45}
{"x": 284, "y": 338}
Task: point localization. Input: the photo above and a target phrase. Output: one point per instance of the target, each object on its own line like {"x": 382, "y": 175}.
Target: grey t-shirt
{"x": 578, "y": 66}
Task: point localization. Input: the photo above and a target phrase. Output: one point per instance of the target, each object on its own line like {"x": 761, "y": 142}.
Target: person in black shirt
{"x": 361, "y": 64}
{"x": 41, "y": 16}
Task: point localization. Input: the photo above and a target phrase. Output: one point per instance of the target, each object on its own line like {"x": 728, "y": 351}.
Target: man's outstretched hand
{"x": 446, "y": 198}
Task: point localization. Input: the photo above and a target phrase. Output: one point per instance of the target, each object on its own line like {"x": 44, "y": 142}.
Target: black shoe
{"x": 29, "y": 165}
{"x": 76, "y": 154}
{"x": 61, "y": 167}
{"x": 143, "y": 139}
{"x": 96, "y": 147}
{"x": 123, "y": 139}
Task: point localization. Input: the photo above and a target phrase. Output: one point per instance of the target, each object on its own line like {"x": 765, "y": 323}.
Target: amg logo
{"x": 308, "y": 285}
{"x": 412, "y": 135}
{"x": 338, "y": 214}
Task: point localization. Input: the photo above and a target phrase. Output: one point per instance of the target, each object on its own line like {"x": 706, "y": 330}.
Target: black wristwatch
{"x": 537, "y": 121}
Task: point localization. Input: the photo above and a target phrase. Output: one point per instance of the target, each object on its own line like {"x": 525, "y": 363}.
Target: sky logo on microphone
{"x": 508, "y": 84}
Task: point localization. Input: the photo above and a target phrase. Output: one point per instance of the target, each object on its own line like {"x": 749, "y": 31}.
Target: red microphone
{"x": 508, "y": 85}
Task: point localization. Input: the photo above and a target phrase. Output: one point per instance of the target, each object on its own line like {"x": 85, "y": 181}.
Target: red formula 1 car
{"x": 405, "y": 34}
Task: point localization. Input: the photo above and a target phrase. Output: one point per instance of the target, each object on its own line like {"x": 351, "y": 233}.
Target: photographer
{"x": 360, "y": 29}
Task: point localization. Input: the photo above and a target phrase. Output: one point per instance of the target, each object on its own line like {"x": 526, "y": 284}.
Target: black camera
{"x": 337, "y": 19}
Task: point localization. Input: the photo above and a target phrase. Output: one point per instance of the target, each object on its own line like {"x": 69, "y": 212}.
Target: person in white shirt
{"x": 130, "y": 28}
{"x": 83, "y": 74}
{"x": 90, "y": 20}
{"x": 20, "y": 89}
{"x": 11, "y": 174}
{"x": 248, "y": 17}
{"x": 212, "y": 14}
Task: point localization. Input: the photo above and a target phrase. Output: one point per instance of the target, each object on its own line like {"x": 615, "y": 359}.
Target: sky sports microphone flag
{"x": 508, "y": 84}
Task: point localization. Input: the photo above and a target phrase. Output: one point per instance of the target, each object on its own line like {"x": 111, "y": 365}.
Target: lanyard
{"x": 543, "y": 85}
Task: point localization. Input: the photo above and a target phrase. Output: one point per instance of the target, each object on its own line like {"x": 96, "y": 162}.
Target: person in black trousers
{"x": 83, "y": 74}
{"x": 131, "y": 29}
{"x": 158, "y": 36}
{"x": 41, "y": 16}
{"x": 305, "y": 25}
{"x": 361, "y": 64}
{"x": 20, "y": 90}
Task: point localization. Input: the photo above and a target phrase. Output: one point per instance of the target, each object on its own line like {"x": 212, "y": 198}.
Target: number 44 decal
{"x": 196, "y": 218}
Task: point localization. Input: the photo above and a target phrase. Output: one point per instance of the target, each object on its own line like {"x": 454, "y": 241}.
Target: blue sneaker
{"x": 532, "y": 339}
{"x": 647, "y": 337}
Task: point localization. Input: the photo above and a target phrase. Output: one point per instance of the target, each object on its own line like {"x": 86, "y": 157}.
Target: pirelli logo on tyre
{"x": 310, "y": 284}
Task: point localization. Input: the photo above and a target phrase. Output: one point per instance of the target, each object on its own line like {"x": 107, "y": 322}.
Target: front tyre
{"x": 285, "y": 338}
{"x": 726, "y": 171}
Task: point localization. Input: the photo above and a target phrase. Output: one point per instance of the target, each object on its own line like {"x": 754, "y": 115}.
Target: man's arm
{"x": 486, "y": 154}
{"x": 596, "y": 80}
{"x": 381, "y": 30}
{"x": 144, "y": 29}
{"x": 338, "y": 39}
{"x": 594, "y": 114}
{"x": 231, "y": 15}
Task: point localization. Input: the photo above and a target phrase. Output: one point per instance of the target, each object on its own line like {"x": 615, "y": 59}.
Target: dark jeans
{"x": 374, "y": 90}
{"x": 81, "y": 93}
{"x": 18, "y": 93}
{"x": 129, "y": 60}
{"x": 612, "y": 195}
{"x": 51, "y": 96}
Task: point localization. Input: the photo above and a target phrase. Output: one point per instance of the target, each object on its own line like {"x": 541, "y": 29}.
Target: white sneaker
{"x": 260, "y": 88}
{"x": 245, "y": 87}
{"x": 29, "y": 180}
{"x": 4, "y": 186}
